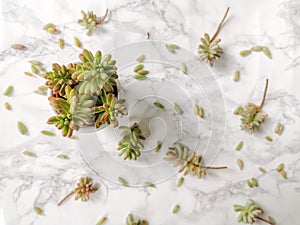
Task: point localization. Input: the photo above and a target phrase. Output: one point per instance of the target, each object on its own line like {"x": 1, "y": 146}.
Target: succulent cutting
{"x": 85, "y": 93}
{"x": 83, "y": 189}
{"x": 209, "y": 49}
{"x": 90, "y": 20}
{"x": 250, "y": 213}
{"x": 188, "y": 161}
{"x": 130, "y": 144}
{"x": 251, "y": 115}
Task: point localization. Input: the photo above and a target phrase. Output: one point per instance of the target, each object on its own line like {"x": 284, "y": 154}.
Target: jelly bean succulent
{"x": 209, "y": 49}
{"x": 251, "y": 115}
{"x": 85, "y": 93}
{"x": 130, "y": 143}
{"x": 189, "y": 162}
{"x": 250, "y": 213}
{"x": 83, "y": 189}
{"x": 90, "y": 20}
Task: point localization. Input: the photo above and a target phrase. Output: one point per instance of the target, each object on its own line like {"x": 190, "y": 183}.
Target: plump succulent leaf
{"x": 110, "y": 110}
{"x": 95, "y": 73}
{"x": 209, "y": 51}
{"x": 248, "y": 213}
{"x": 189, "y": 162}
{"x": 252, "y": 117}
{"x": 130, "y": 144}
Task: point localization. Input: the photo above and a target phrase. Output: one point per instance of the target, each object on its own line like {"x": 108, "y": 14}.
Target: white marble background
{"x": 42, "y": 181}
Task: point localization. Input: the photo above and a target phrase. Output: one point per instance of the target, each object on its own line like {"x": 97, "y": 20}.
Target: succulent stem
{"x": 211, "y": 167}
{"x": 264, "y": 220}
{"x": 214, "y": 167}
{"x": 265, "y": 93}
{"x": 220, "y": 26}
{"x": 65, "y": 198}
{"x": 101, "y": 20}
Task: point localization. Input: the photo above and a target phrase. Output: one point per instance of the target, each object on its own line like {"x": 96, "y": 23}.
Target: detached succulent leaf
{"x": 130, "y": 144}
{"x": 131, "y": 220}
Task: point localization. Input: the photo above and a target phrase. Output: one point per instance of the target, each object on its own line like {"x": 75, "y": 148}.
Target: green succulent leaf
{"x": 131, "y": 220}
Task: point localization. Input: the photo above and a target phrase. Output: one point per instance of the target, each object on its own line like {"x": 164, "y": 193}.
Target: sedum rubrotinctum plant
{"x": 209, "y": 49}
{"x": 252, "y": 116}
{"x": 130, "y": 143}
{"x": 250, "y": 213}
{"x": 85, "y": 93}
{"x": 188, "y": 161}
{"x": 90, "y": 20}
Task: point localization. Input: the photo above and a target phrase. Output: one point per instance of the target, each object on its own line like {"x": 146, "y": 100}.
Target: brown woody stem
{"x": 211, "y": 167}
{"x": 264, "y": 220}
{"x": 220, "y": 26}
{"x": 101, "y": 20}
{"x": 265, "y": 93}
{"x": 214, "y": 167}
{"x": 65, "y": 198}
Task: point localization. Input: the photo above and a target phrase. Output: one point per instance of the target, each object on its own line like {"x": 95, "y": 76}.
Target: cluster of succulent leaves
{"x": 209, "y": 50}
{"x": 130, "y": 143}
{"x": 84, "y": 93}
{"x": 84, "y": 188}
{"x": 90, "y": 21}
{"x": 189, "y": 162}
{"x": 252, "y": 117}
{"x": 249, "y": 212}
{"x": 131, "y": 220}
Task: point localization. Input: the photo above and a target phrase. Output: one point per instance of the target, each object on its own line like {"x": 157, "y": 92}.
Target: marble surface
{"x": 42, "y": 181}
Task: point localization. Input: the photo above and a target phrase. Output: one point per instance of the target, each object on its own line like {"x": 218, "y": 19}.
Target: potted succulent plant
{"x": 85, "y": 93}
